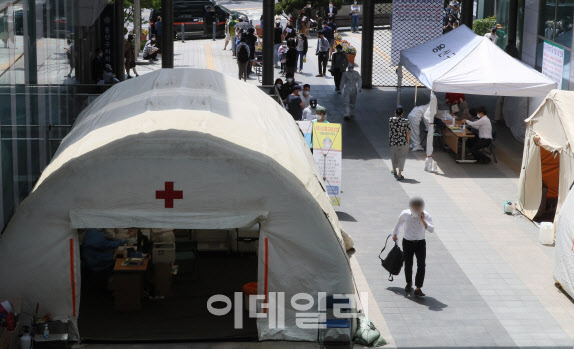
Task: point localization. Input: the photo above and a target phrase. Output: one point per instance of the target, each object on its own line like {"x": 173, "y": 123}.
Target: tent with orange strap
{"x": 548, "y": 158}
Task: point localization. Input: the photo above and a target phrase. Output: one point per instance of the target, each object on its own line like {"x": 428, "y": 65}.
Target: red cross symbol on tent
{"x": 169, "y": 194}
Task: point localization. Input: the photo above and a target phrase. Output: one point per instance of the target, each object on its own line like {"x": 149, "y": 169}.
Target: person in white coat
{"x": 351, "y": 83}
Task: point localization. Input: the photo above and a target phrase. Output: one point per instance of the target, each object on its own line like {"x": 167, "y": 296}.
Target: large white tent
{"x": 462, "y": 62}
{"x": 563, "y": 256}
{"x": 236, "y": 155}
{"x": 553, "y": 123}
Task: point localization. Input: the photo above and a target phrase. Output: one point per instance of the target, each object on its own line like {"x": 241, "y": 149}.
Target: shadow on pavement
{"x": 345, "y": 217}
{"x": 430, "y": 302}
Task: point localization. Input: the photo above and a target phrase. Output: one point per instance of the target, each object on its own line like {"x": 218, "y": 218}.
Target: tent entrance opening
{"x": 163, "y": 296}
{"x": 550, "y": 165}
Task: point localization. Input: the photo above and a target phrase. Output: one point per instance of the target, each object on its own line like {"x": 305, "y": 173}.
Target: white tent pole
{"x": 399, "y": 82}
{"x": 416, "y": 92}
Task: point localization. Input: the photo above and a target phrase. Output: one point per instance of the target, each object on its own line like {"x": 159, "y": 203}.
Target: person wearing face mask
{"x": 289, "y": 31}
{"x": 294, "y": 104}
{"x": 278, "y": 84}
{"x": 150, "y": 51}
{"x": 338, "y": 66}
{"x": 414, "y": 223}
{"x": 309, "y": 113}
{"x": 331, "y": 10}
{"x": 98, "y": 66}
{"x": 321, "y": 115}
{"x": 355, "y": 11}
{"x": 282, "y": 56}
{"x": 322, "y": 52}
{"x": 288, "y": 87}
{"x": 399, "y": 139}
{"x": 306, "y": 95}
{"x": 351, "y": 84}
{"x": 302, "y": 46}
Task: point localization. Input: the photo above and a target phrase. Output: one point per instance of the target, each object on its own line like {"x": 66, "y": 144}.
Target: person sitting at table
{"x": 97, "y": 251}
{"x": 484, "y": 128}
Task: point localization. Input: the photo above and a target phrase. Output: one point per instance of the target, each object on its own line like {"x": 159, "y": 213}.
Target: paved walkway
{"x": 489, "y": 283}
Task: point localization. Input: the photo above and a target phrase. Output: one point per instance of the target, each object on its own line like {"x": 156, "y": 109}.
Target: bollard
{"x": 214, "y": 25}
{"x": 182, "y": 33}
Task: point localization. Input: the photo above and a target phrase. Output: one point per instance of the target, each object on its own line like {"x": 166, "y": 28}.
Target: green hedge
{"x": 483, "y": 26}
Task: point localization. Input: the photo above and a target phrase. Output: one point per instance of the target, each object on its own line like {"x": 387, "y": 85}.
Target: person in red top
{"x": 457, "y": 104}
{"x": 454, "y": 98}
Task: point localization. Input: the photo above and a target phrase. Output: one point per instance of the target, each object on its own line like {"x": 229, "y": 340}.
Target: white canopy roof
{"x": 461, "y": 61}
{"x": 235, "y": 154}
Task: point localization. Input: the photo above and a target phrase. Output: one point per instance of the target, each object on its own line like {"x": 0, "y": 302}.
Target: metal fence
{"x": 384, "y": 72}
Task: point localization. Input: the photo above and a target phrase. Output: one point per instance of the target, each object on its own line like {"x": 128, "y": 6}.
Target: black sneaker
{"x": 419, "y": 293}
{"x": 409, "y": 287}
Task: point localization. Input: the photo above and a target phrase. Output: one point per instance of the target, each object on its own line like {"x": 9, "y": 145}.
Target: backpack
{"x": 367, "y": 334}
{"x": 242, "y": 54}
{"x": 394, "y": 261}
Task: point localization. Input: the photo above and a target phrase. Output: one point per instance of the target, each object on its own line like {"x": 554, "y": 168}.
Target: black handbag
{"x": 394, "y": 261}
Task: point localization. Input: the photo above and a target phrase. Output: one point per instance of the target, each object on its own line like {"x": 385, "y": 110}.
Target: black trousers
{"x": 323, "y": 60}
{"x": 412, "y": 248}
{"x": 476, "y": 147}
{"x": 152, "y": 56}
{"x": 337, "y": 74}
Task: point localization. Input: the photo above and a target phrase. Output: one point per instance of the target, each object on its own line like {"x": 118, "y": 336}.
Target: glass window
{"x": 564, "y": 14}
{"x": 547, "y": 15}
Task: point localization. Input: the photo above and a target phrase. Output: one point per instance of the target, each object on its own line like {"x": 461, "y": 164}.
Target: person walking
{"x": 227, "y": 34}
{"x": 277, "y": 40}
{"x": 243, "y": 53}
{"x": 323, "y": 53}
{"x": 291, "y": 57}
{"x": 351, "y": 83}
{"x": 414, "y": 223}
{"x": 338, "y": 66}
{"x": 302, "y": 46}
{"x": 399, "y": 137}
{"x": 233, "y": 33}
{"x": 330, "y": 36}
{"x": 355, "y": 12}
{"x": 294, "y": 104}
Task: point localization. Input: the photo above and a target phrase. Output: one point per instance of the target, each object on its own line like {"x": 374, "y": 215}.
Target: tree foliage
{"x": 483, "y": 26}
{"x": 147, "y": 4}
{"x": 293, "y": 7}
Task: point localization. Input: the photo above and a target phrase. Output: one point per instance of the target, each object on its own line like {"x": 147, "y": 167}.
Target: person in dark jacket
{"x": 302, "y": 46}
{"x": 98, "y": 65}
{"x": 208, "y": 19}
{"x": 287, "y": 87}
{"x": 291, "y": 57}
{"x": 159, "y": 30}
{"x": 251, "y": 40}
{"x": 338, "y": 66}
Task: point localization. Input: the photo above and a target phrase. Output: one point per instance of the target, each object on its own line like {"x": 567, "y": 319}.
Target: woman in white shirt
{"x": 414, "y": 223}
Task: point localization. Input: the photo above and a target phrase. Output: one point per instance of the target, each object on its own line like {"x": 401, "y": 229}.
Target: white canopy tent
{"x": 463, "y": 62}
{"x": 236, "y": 163}
{"x": 553, "y": 124}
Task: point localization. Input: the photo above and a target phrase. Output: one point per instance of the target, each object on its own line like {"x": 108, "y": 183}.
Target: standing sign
{"x": 306, "y": 128}
{"x": 553, "y": 62}
{"x": 327, "y": 152}
{"x": 414, "y": 22}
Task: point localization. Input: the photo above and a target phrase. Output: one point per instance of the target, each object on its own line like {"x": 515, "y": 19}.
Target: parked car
{"x": 190, "y": 14}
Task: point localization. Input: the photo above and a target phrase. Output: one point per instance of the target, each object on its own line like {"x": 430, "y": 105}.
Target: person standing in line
{"x": 287, "y": 87}
{"x": 323, "y": 53}
{"x": 129, "y": 55}
{"x": 277, "y": 40}
{"x": 243, "y": 53}
{"x": 331, "y": 11}
{"x": 158, "y": 30}
{"x": 351, "y": 83}
{"x": 492, "y": 35}
{"x": 294, "y": 104}
{"x": 355, "y": 12}
{"x": 332, "y": 25}
{"x": 306, "y": 95}
{"x": 97, "y": 66}
{"x": 338, "y": 66}
{"x": 399, "y": 137}
{"x": 310, "y": 112}
{"x": 70, "y": 53}
{"x": 330, "y": 36}
{"x": 251, "y": 40}
{"x": 291, "y": 57}
{"x": 282, "y": 56}
{"x": 414, "y": 223}
{"x": 289, "y": 31}
{"x": 321, "y": 115}
{"x": 302, "y": 47}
